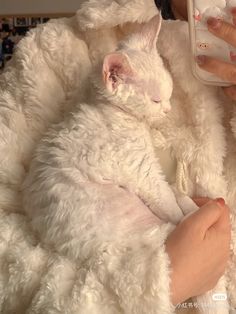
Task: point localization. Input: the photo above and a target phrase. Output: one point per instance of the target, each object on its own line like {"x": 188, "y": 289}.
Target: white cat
{"x": 105, "y": 141}
{"x": 108, "y": 140}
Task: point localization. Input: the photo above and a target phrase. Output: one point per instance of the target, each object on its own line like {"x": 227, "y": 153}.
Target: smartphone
{"x": 203, "y": 42}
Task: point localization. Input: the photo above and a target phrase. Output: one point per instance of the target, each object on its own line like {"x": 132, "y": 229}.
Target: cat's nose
{"x": 166, "y": 111}
{"x": 166, "y": 107}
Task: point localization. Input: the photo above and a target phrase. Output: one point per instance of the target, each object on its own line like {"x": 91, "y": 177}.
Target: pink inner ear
{"x": 116, "y": 70}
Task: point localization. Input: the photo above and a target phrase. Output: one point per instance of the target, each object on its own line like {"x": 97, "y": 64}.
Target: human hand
{"x": 222, "y": 69}
{"x": 199, "y": 250}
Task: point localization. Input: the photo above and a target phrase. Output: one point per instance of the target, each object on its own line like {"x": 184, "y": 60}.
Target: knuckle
{"x": 224, "y": 218}
{"x": 228, "y": 231}
{"x": 227, "y": 243}
{"x": 226, "y": 207}
{"x": 227, "y": 212}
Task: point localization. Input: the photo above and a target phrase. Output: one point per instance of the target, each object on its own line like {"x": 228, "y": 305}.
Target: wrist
{"x": 178, "y": 284}
{"x": 178, "y": 288}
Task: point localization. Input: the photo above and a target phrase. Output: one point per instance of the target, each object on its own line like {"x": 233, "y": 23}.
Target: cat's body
{"x": 109, "y": 147}
{"x": 108, "y": 141}
{"x": 104, "y": 142}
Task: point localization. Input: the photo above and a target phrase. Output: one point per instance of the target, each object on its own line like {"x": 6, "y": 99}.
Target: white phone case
{"x": 203, "y": 42}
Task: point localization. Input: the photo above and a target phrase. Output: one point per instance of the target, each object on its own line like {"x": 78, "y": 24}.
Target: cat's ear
{"x": 150, "y": 32}
{"x": 116, "y": 70}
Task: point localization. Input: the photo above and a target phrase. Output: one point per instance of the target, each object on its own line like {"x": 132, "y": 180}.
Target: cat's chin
{"x": 155, "y": 120}
{"x": 157, "y": 112}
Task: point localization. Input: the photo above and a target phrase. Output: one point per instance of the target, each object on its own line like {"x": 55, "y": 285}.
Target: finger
{"x": 222, "y": 30}
{"x": 200, "y": 201}
{"x": 230, "y": 92}
{"x": 233, "y": 11}
{"x": 223, "y": 222}
{"x": 224, "y": 70}
{"x": 207, "y": 216}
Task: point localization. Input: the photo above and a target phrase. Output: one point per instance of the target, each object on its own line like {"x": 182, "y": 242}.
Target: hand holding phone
{"x": 204, "y": 43}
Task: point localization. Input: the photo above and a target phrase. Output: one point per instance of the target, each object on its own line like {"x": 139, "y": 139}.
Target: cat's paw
{"x": 186, "y": 204}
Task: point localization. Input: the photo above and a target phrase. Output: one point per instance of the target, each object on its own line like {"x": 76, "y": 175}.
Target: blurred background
{"x": 17, "y": 17}
{"x": 12, "y": 30}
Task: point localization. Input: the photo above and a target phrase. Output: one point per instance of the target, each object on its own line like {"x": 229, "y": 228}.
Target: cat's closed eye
{"x": 156, "y": 101}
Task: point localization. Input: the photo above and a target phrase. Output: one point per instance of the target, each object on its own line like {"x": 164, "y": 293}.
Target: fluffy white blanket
{"x": 48, "y": 72}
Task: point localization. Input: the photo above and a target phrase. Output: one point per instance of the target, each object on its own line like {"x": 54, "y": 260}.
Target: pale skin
{"x": 196, "y": 268}
{"x": 199, "y": 249}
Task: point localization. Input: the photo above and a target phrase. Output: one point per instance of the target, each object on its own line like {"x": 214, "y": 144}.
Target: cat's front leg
{"x": 156, "y": 193}
{"x": 187, "y": 205}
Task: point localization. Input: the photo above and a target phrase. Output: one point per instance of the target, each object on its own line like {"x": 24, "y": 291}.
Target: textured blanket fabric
{"x": 47, "y": 75}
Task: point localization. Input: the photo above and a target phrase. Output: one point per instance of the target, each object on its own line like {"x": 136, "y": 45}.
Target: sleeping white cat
{"x": 104, "y": 142}
{"x": 108, "y": 140}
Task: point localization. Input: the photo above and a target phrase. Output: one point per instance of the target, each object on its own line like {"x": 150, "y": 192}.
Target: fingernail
{"x": 214, "y": 23}
{"x": 233, "y": 10}
{"x": 201, "y": 59}
{"x": 220, "y": 201}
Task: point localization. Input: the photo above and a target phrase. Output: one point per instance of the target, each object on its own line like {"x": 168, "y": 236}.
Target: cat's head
{"x": 134, "y": 76}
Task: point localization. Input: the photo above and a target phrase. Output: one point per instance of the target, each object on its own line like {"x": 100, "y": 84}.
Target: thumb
{"x": 223, "y": 223}
{"x": 207, "y": 215}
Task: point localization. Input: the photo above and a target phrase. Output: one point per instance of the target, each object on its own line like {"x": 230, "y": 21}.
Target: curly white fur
{"x": 34, "y": 277}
